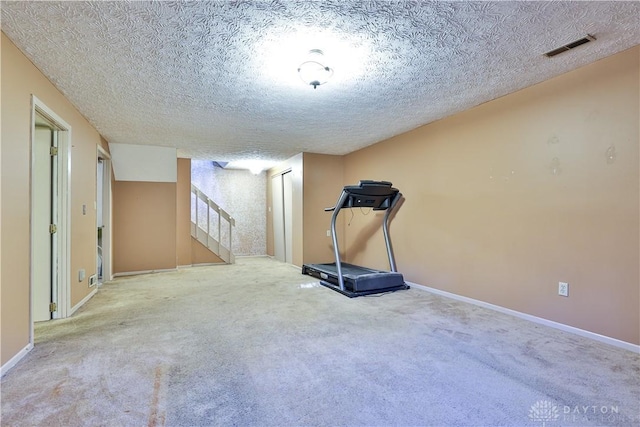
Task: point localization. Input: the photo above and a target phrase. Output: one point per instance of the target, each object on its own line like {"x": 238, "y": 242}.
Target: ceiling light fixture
{"x": 312, "y": 71}
{"x": 255, "y": 170}
{"x": 255, "y": 166}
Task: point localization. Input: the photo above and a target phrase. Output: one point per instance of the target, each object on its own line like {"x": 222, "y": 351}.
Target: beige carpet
{"x": 257, "y": 343}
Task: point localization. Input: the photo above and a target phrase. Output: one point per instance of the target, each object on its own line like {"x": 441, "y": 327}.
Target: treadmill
{"x": 352, "y": 280}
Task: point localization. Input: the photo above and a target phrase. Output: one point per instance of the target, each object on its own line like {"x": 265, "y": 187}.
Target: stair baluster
{"x": 207, "y": 230}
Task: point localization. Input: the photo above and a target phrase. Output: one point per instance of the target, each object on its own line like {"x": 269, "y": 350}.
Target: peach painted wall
{"x": 183, "y": 213}
{"x": 21, "y": 79}
{"x": 144, "y": 226}
{"x": 322, "y": 185}
{"x": 507, "y": 199}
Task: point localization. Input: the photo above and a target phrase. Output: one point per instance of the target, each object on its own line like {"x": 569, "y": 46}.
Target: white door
{"x": 282, "y": 201}
{"x": 278, "y": 217}
{"x": 50, "y": 189}
{"x": 99, "y": 218}
{"x": 42, "y": 242}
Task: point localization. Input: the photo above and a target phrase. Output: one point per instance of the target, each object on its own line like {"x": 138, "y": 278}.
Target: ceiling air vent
{"x": 588, "y": 38}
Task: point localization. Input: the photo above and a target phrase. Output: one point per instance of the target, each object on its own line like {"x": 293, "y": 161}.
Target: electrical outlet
{"x": 563, "y": 289}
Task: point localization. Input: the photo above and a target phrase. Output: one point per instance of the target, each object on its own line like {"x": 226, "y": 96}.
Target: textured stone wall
{"x": 243, "y": 196}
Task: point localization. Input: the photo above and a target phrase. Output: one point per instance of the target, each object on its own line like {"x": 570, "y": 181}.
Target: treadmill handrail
{"x": 334, "y": 237}
{"x": 385, "y": 232}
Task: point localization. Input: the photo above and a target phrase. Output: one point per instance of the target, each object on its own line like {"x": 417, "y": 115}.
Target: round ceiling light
{"x": 313, "y": 72}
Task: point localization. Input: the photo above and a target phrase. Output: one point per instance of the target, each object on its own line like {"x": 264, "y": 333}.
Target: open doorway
{"x": 103, "y": 217}
{"x": 49, "y": 215}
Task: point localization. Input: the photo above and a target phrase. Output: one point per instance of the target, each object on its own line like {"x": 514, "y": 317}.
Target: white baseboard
{"x": 202, "y": 264}
{"x": 84, "y": 300}
{"x": 136, "y": 273}
{"x": 15, "y": 359}
{"x": 561, "y": 326}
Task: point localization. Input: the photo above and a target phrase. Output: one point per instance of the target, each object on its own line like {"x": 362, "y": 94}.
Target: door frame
{"x": 103, "y": 154}
{"x": 62, "y": 252}
{"x": 287, "y": 210}
{"x": 287, "y": 248}
{"x": 277, "y": 217}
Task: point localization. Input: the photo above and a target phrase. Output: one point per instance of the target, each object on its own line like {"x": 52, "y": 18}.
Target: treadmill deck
{"x": 357, "y": 280}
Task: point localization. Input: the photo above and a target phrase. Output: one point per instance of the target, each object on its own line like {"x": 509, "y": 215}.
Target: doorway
{"x": 103, "y": 216}
{"x": 49, "y": 215}
{"x": 282, "y": 202}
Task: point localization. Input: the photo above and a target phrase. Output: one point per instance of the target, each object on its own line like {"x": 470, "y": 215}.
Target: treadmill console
{"x": 369, "y": 194}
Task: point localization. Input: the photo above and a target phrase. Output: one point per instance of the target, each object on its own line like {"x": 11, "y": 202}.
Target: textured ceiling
{"x": 218, "y": 80}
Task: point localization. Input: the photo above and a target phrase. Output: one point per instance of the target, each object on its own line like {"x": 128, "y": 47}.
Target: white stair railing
{"x": 211, "y": 225}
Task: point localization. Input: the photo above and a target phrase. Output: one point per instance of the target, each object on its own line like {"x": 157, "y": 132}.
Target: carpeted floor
{"x": 259, "y": 344}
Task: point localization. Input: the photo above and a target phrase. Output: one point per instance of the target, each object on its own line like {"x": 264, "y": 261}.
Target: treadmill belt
{"x": 357, "y": 280}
